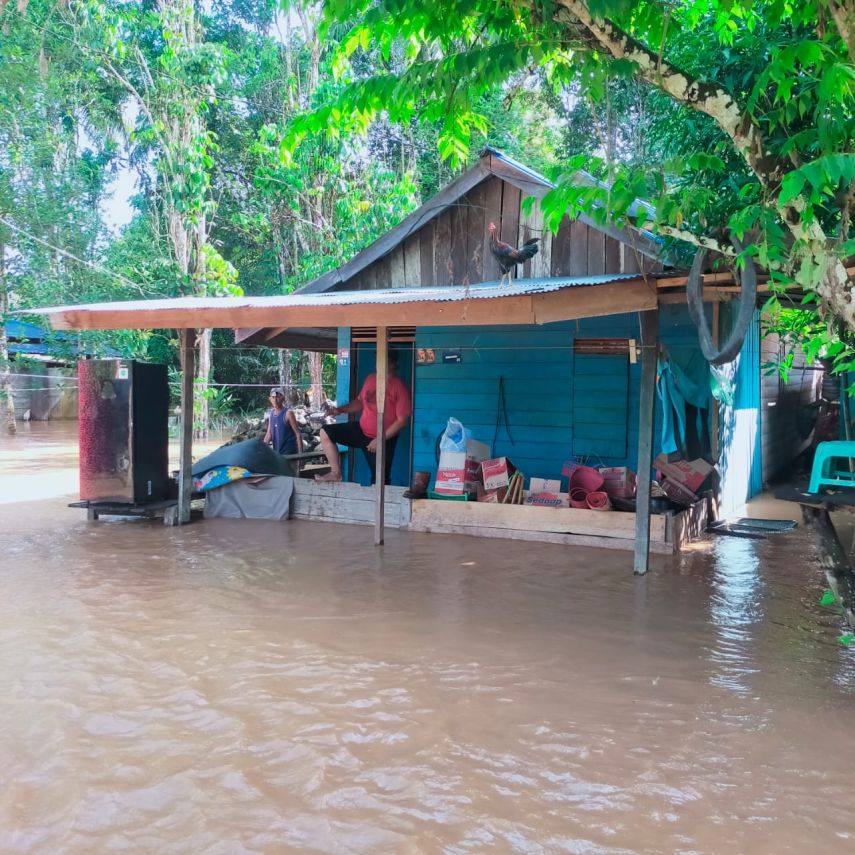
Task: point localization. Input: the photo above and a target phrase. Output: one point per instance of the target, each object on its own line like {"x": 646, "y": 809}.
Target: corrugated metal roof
{"x": 28, "y": 349}
{"x": 521, "y": 167}
{"x": 439, "y": 294}
{"x": 21, "y": 329}
{"x": 579, "y": 173}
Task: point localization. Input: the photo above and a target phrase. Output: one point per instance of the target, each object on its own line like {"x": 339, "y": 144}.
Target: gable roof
{"x": 492, "y": 163}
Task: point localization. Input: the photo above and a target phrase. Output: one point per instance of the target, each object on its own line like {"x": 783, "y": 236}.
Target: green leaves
{"x": 828, "y": 599}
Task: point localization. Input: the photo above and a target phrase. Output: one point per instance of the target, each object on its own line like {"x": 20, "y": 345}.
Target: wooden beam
{"x": 646, "y": 412}
{"x": 429, "y": 513}
{"x": 612, "y": 298}
{"x": 564, "y": 304}
{"x": 711, "y": 295}
{"x": 187, "y": 339}
{"x": 380, "y": 469}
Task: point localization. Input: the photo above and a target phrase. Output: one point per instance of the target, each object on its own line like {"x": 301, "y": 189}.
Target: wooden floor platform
{"x": 166, "y": 508}
{"x": 570, "y": 526}
{"x": 345, "y": 502}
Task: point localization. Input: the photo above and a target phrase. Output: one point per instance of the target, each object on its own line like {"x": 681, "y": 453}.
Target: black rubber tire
{"x": 747, "y": 303}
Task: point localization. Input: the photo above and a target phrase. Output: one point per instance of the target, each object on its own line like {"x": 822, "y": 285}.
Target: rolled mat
{"x": 578, "y": 498}
{"x": 587, "y": 478}
{"x": 598, "y": 501}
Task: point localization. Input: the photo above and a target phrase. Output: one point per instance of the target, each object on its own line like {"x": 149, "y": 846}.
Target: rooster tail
{"x": 529, "y": 249}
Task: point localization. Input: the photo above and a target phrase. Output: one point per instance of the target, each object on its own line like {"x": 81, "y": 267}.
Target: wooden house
{"x": 560, "y": 364}
{"x": 540, "y": 393}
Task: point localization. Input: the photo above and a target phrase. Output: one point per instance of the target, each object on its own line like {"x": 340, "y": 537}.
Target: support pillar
{"x": 646, "y": 411}
{"x": 380, "y": 471}
{"x": 187, "y": 339}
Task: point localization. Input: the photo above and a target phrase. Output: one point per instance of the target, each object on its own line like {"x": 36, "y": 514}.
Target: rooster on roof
{"x": 507, "y": 256}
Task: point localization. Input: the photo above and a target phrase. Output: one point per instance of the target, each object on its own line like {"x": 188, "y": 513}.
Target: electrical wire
{"x": 70, "y": 255}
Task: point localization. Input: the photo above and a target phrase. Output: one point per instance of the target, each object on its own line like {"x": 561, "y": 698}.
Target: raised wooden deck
{"x": 351, "y": 503}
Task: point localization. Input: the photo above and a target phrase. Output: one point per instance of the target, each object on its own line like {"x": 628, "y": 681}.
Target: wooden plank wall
{"x": 453, "y": 248}
{"x": 781, "y": 402}
{"x": 535, "y": 365}
{"x": 347, "y": 503}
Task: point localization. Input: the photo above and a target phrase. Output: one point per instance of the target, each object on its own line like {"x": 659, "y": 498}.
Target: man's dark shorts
{"x": 351, "y": 435}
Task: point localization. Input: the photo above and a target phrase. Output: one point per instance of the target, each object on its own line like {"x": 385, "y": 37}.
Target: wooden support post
{"x": 187, "y": 340}
{"x": 646, "y": 411}
{"x": 714, "y": 415}
{"x": 832, "y": 558}
{"x": 380, "y": 469}
{"x": 844, "y": 400}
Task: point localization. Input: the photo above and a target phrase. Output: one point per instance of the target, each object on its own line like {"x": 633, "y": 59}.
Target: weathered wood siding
{"x": 347, "y": 503}
{"x": 781, "y": 426}
{"x": 536, "y": 369}
{"x": 453, "y": 248}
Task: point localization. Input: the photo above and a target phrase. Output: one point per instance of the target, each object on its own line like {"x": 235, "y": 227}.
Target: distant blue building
{"x": 44, "y": 371}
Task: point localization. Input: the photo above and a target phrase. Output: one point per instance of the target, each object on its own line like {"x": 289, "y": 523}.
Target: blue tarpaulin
{"x": 683, "y": 377}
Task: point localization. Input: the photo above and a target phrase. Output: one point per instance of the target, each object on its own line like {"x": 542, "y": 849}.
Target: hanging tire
{"x": 747, "y": 303}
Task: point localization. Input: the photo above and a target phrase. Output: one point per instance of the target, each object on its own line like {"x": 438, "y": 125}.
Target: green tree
{"x": 771, "y": 82}
{"x": 159, "y": 57}
{"x": 56, "y": 143}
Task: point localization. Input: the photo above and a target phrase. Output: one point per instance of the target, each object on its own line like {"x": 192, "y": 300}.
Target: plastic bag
{"x": 455, "y": 436}
{"x": 722, "y": 385}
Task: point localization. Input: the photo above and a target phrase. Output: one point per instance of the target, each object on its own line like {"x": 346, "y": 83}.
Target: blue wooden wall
{"x": 536, "y": 367}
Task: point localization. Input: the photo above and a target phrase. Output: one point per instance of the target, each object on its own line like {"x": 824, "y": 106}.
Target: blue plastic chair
{"x": 825, "y": 472}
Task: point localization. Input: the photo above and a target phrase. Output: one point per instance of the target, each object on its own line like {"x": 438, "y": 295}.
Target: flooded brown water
{"x": 255, "y": 687}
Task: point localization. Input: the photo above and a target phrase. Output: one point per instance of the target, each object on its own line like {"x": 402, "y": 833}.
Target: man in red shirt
{"x": 363, "y": 434}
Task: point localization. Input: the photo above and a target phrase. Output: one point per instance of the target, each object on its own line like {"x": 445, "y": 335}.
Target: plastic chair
{"x": 825, "y": 472}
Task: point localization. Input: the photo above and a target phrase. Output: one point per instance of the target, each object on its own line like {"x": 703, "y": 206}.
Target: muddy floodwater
{"x": 256, "y": 687}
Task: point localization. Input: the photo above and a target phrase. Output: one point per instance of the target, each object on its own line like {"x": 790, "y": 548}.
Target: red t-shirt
{"x": 397, "y": 404}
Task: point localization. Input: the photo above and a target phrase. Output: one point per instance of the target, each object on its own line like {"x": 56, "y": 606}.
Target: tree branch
{"x": 711, "y": 99}
{"x": 844, "y": 19}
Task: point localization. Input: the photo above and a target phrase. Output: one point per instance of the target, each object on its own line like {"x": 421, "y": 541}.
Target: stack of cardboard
{"x": 459, "y": 472}
{"x": 619, "y": 482}
{"x": 681, "y": 479}
{"x": 496, "y": 475}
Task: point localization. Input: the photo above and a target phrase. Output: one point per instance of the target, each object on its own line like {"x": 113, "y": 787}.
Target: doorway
{"x": 363, "y": 364}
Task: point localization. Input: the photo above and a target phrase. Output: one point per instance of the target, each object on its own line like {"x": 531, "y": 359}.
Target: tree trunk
{"x": 316, "y": 369}
{"x": 200, "y": 392}
{"x": 284, "y": 357}
{"x": 7, "y": 403}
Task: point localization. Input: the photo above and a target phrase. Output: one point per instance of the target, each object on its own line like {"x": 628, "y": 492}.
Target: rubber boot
{"x": 420, "y": 486}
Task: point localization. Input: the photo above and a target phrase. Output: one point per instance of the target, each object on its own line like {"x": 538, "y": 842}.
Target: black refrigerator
{"x": 123, "y": 411}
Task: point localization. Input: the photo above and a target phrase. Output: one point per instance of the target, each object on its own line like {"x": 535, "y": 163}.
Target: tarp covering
{"x": 269, "y": 499}
{"x": 251, "y": 454}
{"x": 683, "y": 377}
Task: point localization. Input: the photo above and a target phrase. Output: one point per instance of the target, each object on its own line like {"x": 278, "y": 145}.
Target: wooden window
{"x": 369, "y": 335}
{"x": 600, "y": 404}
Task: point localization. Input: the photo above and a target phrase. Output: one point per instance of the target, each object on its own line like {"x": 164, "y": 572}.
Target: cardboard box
{"x": 546, "y": 493}
{"x": 689, "y": 473}
{"x": 459, "y": 472}
{"x": 495, "y": 497}
{"x": 678, "y": 492}
{"x": 620, "y": 481}
{"x": 497, "y": 472}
